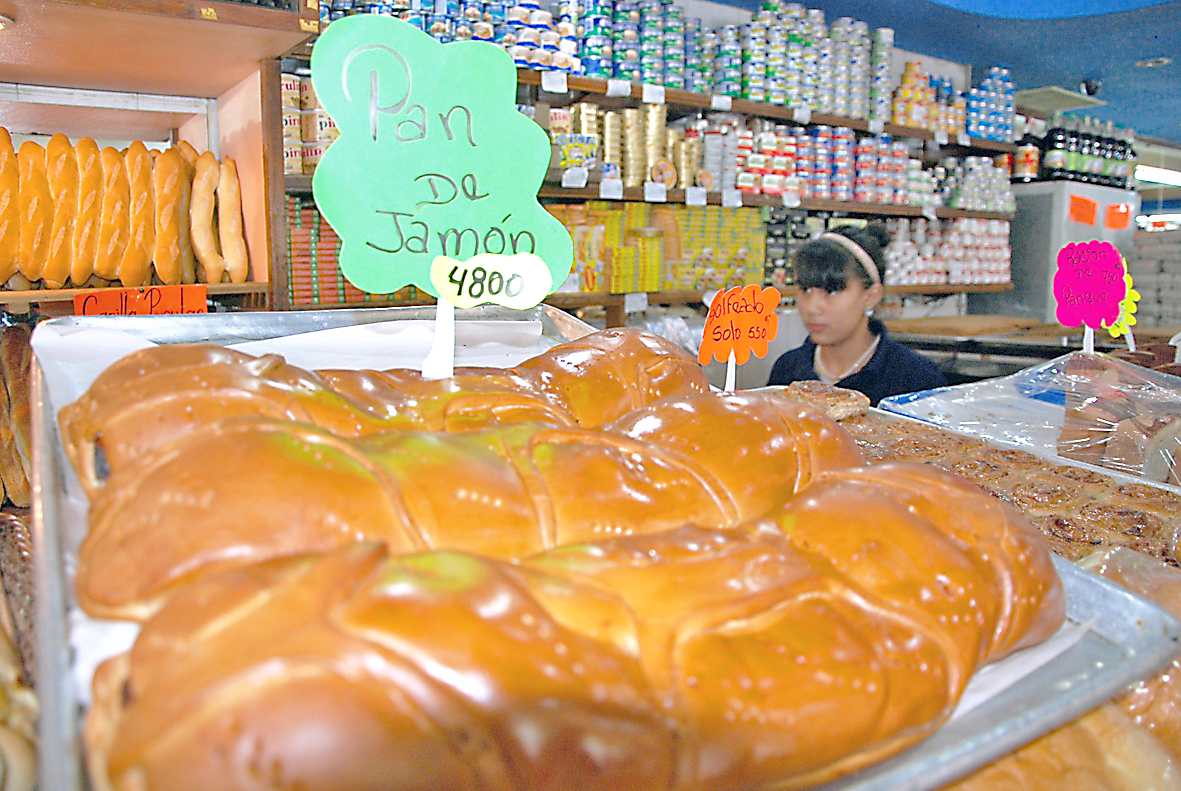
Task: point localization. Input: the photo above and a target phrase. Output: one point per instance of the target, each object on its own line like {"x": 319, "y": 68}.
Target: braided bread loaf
{"x": 158, "y": 394}
{"x": 690, "y": 659}
{"x": 241, "y": 491}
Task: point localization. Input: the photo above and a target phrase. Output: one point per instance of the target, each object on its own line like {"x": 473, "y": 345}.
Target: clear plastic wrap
{"x": 1154, "y": 702}
{"x": 1090, "y": 408}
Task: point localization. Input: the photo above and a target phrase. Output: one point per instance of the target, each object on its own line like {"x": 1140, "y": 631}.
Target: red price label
{"x": 741, "y": 320}
{"x": 143, "y": 301}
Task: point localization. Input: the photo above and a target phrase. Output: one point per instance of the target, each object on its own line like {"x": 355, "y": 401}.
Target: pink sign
{"x": 1089, "y": 284}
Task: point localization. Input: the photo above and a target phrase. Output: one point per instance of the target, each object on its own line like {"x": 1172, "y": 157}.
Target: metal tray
{"x": 1131, "y": 637}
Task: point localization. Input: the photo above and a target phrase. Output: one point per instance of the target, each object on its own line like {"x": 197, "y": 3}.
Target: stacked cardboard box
{"x": 1155, "y": 267}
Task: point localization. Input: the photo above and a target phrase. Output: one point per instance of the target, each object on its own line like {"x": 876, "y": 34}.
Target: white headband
{"x": 858, "y": 252}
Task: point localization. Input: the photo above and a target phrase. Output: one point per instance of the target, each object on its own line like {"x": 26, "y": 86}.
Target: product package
{"x": 1090, "y": 408}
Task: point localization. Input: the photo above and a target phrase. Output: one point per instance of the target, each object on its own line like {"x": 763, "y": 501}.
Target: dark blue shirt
{"x": 892, "y": 370}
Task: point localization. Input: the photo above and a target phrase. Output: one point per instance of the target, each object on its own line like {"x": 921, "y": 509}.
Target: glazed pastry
{"x": 686, "y": 660}
{"x": 157, "y": 394}
{"x": 280, "y": 487}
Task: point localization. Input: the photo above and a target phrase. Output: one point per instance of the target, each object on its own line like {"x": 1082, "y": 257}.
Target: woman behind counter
{"x": 839, "y": 276}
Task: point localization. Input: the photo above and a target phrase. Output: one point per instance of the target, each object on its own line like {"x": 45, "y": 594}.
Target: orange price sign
{"x": 741, "y": 320}
{"x": 142, "y": 301}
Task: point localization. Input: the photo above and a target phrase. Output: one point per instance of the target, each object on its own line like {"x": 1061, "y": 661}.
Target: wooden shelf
{"x": 677, "y": 196}
{"x": 168, "y": 47}
{"x": 700, "y": 101}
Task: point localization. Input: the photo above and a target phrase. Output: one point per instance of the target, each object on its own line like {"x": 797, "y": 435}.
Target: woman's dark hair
{"x": 823, "y": 263}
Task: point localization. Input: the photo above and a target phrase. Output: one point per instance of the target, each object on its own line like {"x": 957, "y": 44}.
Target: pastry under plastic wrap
{"x": 157, "y": 394}
{"x": 1154, "y": 702}
{"x": 689, "y": 659}
{"x": 241, "y": 491}
{"x": 1103, "y": 751}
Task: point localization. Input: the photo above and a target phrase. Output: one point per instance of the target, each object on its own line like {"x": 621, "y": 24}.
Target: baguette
{"x": 690, "y": 659}
{"x": 207, "y": 175}
{"x": 188, "y": 152}
{"x": 158, "y": 394}
{"x": 10, "y": 208}
{"x": 16, "y": 362}
{"x": 135, "y": 267}
{"x": 188, "y": 260}
{"x": 114, "y": 224}
{"x": 62, "y": 171}
{"x": 229, "y": 223}
{"x": 172, "y": 217}
{"x": 84, "y": 245}
{"x": 36, "y": 211}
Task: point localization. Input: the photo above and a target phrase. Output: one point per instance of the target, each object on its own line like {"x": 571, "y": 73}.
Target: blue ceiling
{"x": 1061, "y": 43}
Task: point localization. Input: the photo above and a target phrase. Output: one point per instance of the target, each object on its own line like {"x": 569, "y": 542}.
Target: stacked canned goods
{"x": 928, "y": 101}
{"x": 719, "y": 159}
{"x": 991, "y": 107}
{"x": 597, "y": 38}
{"x": 958, "y": 252}
{"x": 635, "y": 157}
{"x": 881, "y": 167}
{"x": 626, "y": 39}
{"x": 880, "y": 82}
{"x": 978, "y": 184}
{"x": 611, "y": 152}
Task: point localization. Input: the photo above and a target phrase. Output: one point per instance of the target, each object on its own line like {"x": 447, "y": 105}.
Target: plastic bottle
{"x": 1130, "y": 176}
{"x": 1054, "y": 151}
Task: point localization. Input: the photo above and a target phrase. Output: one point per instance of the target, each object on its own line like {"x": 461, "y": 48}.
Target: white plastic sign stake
{"x": 611, "y": 189}
{"x": 1131, "y": 341}
{"x": 1088, "y": 339}
{"x": 695, "y": 196}
{"x": 731, "y": 373}
{"x": 802, "y": 115}
{"x": 652, "y": 94}
{"x": 655, "y": 192}
{"x": 619, "y": 88}
{"x": 575, "y": 178}
{"x": 439, "y": 362}
{"x": 721, "y": 103}
{"x": 554, "y": 82}
{"x": 1175, "y": 342}
{"x": 732, "y": 199}
{"x": 877, "y": 126}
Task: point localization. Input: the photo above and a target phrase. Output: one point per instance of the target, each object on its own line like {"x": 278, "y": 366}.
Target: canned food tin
{"x": 483, "y": 31}
{"x": 439, "y": 25}
{"x": 597, "y": 47}
{"x": 529, "y": 37}
{"x": 414, "y": 18}
{"x": 549, "y": 40}
{"x": 517, "y": 15}
{"x": 463, "y": 30}
{"x": 541, "y": 20}
{"x": 597, "y": 26}
{"x": 520, "y": 54}
{"x": 495, "y": 13}
{"x": 627, "y": 12}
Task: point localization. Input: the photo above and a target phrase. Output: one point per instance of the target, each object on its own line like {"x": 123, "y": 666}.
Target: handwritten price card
{"x": 515, "y": 281}
{"x": 433, "y": 159}
{"x": 742, "y": 321}
{"x": 1089, "y": 284}
{"x": 142, "y": 301}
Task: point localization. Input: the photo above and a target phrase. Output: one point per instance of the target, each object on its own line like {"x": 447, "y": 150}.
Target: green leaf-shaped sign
{"x": 433, "y": 157}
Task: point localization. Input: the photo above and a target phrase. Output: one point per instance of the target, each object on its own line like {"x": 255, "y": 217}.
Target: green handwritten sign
{"x": 433, "y": 157}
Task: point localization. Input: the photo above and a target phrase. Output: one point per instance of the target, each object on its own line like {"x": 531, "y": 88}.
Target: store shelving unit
{"x": 160, "y": 70}
{"x": 685, "y": 102}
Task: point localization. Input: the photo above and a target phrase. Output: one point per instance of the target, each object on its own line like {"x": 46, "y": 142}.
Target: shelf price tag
{"x": 1090, "y": 287}
{"x": 721, "y": 103}
{"x": 877, "y": 126}
{"x": 575, "y": 178}
{"x": 143, "y": 301}
{"x": 655, "y": 192}
{"x": 732, "y": 198}
{"x": 554, "y": 82}
{"x": 652, "y": 94}
{"x": 636, "y": 302}
{"x": 791, "y": 198}
{"x": 611, "y": 189}
{"x": 418, "y": 169}
{"x": 619, "y": 88}
{"x": 516, "y": 281}
{"x": 696, "y": 196}
{"x": 930, "y": 213}
{"x": 963, "y": 139}
{"x": 802, "y": 115}
{"x": 941, "y": 137}
{"x": 742, "y": 321}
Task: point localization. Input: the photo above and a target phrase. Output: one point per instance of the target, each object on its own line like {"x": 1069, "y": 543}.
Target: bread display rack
{"x": 166, "y": 71}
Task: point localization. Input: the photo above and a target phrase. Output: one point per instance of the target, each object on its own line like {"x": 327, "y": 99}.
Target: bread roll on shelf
{"x": 229, "y": 224}
{"x": 36, "y": 206}
{"x": 170, "y": 187}
{"x": 62, "y": 172}
{"x": 135, "y": 267}
{"x": 114, "y": 224}
{"x": 10, "y": 208}
{"x": 206, "y": 177}
{"x": 84, "y": 245}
